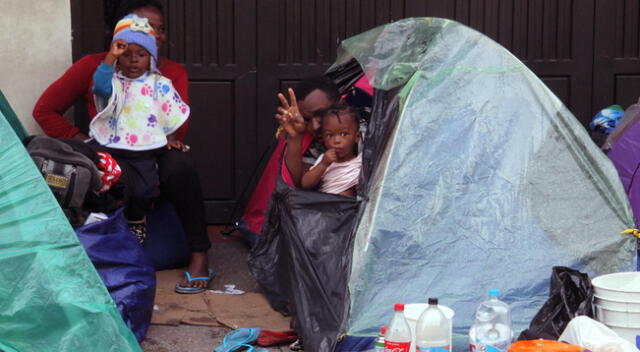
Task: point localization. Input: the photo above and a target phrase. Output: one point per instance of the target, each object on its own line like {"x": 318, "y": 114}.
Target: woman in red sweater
{"x": 179, "y": 181}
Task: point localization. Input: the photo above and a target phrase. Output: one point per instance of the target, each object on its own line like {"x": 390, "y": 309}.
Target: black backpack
{"x": 70, "y": 174}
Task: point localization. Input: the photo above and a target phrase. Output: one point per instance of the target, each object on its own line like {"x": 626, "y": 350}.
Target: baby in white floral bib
{"x": 139, "y": 112}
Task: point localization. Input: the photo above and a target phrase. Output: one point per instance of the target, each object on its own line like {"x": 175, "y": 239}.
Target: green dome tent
{"x": 51, "y": 297}
{"x": 475, "y": 176}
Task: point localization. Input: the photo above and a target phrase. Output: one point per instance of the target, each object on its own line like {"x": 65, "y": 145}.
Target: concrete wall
{"x": 35, "y": 49}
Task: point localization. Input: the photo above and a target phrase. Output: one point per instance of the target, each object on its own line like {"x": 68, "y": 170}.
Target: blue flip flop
{"x": 247, "y": 348}
{"x": 190, "y": 290}
{"x": 239, "y": 338}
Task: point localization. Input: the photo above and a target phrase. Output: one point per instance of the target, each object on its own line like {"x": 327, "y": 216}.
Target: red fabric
{"x": 271, "y": 338}
{"x": 77, "y": 83}
{"x": 109, "y": 170}
{"x": 363, "y": 83}
{"x": 256, "y": 211}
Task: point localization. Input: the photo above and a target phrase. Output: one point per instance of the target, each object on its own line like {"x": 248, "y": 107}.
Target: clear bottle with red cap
{"x": 398, "y": 334}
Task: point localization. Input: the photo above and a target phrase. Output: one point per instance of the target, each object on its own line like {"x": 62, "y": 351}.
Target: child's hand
{"x": 289, "y": 116}
{"x": 329, "y": 157}
{"x": 118, "y": 47}
{"x": 176, "y": 144}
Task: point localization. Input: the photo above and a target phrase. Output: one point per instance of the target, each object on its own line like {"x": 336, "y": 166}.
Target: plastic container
{"x": 492, "y": 330}
{"x": 378, "y": 344}
{"x": 413, "y": 311}
{"x": 398, "y": 334}
{"x": 617, "y": 302}
{"x": 624, "y": 287}
{"x": 432, "y": 330}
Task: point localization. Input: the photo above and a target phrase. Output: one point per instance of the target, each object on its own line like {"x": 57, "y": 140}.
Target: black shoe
{"x": 138, "y": 229}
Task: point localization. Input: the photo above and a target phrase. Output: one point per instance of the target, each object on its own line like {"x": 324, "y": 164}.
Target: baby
{"x": 139, "y": 111}
{"x": 338, "y": 169}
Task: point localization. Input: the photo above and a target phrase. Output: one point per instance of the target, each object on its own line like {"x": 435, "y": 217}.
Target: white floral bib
{"x": 140, "y": 113}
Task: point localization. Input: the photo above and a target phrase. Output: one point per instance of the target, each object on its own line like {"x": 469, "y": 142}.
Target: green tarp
{"x": 51, "y": 297}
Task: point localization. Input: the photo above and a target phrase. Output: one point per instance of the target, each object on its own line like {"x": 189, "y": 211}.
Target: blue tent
{"x": 475, "y": 176}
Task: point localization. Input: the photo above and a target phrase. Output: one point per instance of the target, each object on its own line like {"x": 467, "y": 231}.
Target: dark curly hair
{"x": 324, "y": 84}
{"x": 114, "y": 10}
{"x": 341, "y": 110}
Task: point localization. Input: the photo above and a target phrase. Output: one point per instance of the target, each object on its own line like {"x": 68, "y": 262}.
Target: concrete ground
{"x": 228, "y": 258}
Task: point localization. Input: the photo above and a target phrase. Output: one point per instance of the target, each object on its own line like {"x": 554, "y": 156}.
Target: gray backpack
{"x": 69, "y": 174}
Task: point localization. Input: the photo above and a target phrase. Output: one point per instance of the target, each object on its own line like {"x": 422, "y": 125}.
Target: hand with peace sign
{"x": 289, "y": 115}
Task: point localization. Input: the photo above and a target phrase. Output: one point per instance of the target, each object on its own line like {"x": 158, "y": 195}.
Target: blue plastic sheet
{"x": 355, "y": 344}
{"x": 124, "y": 269}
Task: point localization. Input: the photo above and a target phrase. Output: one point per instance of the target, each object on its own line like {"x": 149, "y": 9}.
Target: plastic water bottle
{"x": 398, "y": 335}
{"x": 432, "y": 330}
{"x": 378, "y": 344}
{"x": 492, "y": 330}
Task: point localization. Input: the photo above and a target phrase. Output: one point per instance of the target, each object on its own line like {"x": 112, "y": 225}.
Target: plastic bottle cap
{"x": 494, "y": 292}
{"x": 383, "y": 330}
{"x": 398, "y": 306}
{"x": 433, "y": 301}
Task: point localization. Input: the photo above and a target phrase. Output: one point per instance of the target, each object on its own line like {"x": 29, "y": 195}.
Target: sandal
{"x": 189, "y": 289}
{"x": 249, "y": 348}
{"x": 239, "y": 338}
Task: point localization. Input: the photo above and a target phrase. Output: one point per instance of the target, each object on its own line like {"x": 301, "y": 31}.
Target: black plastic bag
{"x": 571, "y": 295}
{"x": 345, "y": 75}
{"x": 303, "y": 258}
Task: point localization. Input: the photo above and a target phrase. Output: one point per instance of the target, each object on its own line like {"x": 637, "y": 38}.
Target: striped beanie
{"x": 137, "y": 30}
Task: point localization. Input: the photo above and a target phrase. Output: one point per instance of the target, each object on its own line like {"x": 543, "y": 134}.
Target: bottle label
{"x": 434, "y": 349}
{"x": 391, "y": 346}
{"x": 480, "y": 347}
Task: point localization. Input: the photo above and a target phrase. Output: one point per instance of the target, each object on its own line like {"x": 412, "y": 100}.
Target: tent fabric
{"x": 255, "y": 213}
{"x": 486, "y": 181}
{"x": 628, "y": 120}
{"x": 256, "y": 209}
{"x": 51, "y": 297}
{"x": 11, "y": 117}
{"x": 625, "y": 155}
{"x": 475, "y": 176}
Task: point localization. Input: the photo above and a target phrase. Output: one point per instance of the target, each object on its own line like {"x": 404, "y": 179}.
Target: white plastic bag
{"x": 595, "y": 336}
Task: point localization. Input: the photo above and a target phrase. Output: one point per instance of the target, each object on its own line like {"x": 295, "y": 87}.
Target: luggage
{"x": 71, "y": 175}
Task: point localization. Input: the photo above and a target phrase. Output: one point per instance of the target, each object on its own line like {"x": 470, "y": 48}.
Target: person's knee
{"x": 178, "y": 166}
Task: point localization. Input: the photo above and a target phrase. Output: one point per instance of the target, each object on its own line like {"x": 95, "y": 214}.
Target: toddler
{"x": 139, "y": 110}
{"x": 338, "y": 169}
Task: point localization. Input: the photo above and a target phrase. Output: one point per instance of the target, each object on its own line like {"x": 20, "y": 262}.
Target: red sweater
{"x": 77, "y": 83}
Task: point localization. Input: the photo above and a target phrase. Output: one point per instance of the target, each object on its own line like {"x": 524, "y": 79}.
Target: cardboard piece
{"x": 172, "y": 308}
{"x": 250, "y": 310}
